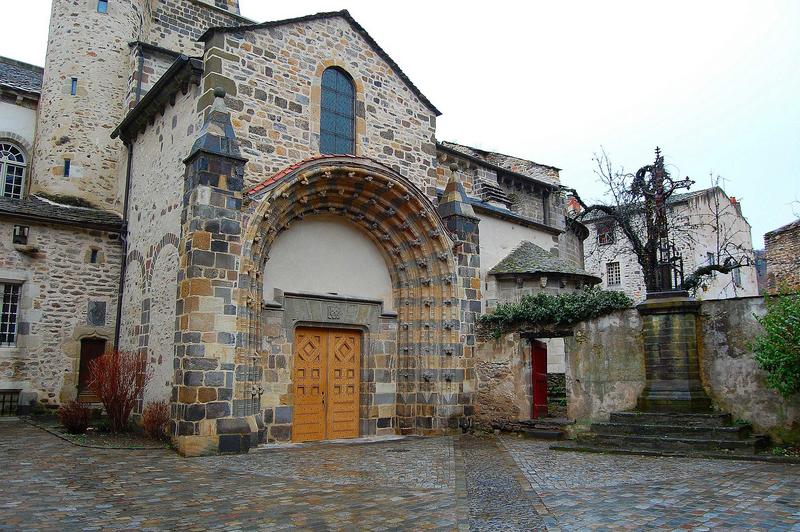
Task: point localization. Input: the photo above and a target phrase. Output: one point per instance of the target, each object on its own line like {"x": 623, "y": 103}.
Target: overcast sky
{"x": 715, "y": 84}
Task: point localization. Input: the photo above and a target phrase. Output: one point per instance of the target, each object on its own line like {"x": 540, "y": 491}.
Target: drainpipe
{"x": 124, "y": 234}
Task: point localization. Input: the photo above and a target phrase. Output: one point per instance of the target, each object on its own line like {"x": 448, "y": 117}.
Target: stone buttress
{"x": 206, "y": 311}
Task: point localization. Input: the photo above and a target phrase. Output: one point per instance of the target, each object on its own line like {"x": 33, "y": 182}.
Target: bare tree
{"x": 655, "y": 234}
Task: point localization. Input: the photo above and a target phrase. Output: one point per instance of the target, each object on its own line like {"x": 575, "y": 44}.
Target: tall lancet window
{"x": 337, "y": 116}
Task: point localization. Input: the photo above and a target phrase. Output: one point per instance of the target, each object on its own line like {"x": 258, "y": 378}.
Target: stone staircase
{"x": 668, "y": 433}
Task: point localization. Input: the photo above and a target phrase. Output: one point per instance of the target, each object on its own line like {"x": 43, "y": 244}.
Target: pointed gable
{"x": 343, "y": 14}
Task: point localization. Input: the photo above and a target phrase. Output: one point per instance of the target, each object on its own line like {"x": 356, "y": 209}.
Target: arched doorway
{"x": 418, "y": 373}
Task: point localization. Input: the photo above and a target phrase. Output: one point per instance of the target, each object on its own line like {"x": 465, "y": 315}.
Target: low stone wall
{"x": 604, "y": 366}
{"x": 504, "y": 378}
{"x": 730, "y": 373}
{"x": 606, "y": 373}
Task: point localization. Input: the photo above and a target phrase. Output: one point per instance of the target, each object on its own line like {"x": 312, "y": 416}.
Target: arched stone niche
{"x": 404, "y": 225}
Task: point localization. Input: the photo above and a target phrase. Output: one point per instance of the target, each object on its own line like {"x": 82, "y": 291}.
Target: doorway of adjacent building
{"x": 325, "y": 381}
{"x": 539, "y": 378}
{"x": 91, "y": 349}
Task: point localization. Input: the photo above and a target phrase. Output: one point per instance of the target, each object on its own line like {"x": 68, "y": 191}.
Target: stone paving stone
{"x": 49, "y": 484}
{"x": 603, "y": 491}
{"x": 497, "y": 501}
{"x": 482, "y": 483}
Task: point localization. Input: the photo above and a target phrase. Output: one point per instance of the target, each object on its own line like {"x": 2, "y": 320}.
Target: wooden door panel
{"x": 91, "y": 349}
{"x": 309, "y": 378}
{"x": 343, "y": 389}
{"x": 539, "y": 378}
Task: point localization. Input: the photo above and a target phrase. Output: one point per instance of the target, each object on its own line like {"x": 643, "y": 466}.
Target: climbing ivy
{"x": 777, "y": 349}
{"x": 544, "y": 310}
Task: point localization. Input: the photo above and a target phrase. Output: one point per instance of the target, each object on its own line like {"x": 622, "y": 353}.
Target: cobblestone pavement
{"x": 47, "y": 483}
{"x": 599, "y": 491}
{"x": 496, "y": 498}
{"x": 483, "y": 483}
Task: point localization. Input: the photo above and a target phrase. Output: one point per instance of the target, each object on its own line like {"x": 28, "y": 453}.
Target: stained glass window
{"x": 337, "y": 116}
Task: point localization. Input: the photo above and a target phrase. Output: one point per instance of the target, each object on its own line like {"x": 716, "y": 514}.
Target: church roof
{"x": 508, "y": 162}
{"x": 321, "y": 16}
{"x": 20, "y": 76}
{"x": 39, "y": 209}
{"x": 528, "y": 258}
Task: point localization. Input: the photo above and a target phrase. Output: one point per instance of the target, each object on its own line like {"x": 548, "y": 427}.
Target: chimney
{"x": 573, "y": 207}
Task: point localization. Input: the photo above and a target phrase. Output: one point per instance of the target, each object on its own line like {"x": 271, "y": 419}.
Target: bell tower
{"x": 86, "y": 77}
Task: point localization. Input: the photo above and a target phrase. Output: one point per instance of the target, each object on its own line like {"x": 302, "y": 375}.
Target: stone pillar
{"x": 206, "y": 311}
{"x": 671, "y": 336}
{"x": 456, "y": 402}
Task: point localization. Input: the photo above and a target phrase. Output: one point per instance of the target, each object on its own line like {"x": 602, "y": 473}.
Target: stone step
{"x": 726, "y": 455}
{"x": 716, "y": 419}
{"x": 543, "y": 434}
{"x": 734, "y": 432}
{"x": 668, "y": 443}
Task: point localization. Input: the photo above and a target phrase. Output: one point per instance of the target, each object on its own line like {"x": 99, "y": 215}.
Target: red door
{"x": 539, "y": 378}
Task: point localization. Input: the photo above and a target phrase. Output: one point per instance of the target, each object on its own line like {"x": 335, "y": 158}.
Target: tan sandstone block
{"x": 201, "y": 240}
{"x": 197, "y": 445}
{"x": 187, "y": 394}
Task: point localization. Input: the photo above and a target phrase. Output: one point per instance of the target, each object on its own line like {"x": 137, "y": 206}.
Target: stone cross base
{"x": 670, "y": 330}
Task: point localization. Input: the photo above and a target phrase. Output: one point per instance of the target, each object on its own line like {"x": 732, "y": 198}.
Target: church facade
{"x": 264, "y": 212}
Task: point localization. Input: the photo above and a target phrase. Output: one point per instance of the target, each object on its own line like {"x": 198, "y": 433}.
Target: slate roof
{"x": 38, "y": 209}
{"x": 20, "y": 76}
{"x": 527, "y": 257}
{"x": 672, "y": 200}
{"x": 325, "y": 15}
{"x": 493, "y": 157}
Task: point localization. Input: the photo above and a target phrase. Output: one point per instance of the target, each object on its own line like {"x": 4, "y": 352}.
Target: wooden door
{"x": 309, "y": 377}
{"x": 539, "y": 378}
{"x": 325, "y": 380}
{"x": 343, "y": 390}
{"x": 91, "y": 349}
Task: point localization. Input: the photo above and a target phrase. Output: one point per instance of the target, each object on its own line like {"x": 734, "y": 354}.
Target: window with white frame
{"x": 12, "y": 170}
{"x": 605, "y": 233}
{"x": 613, "y": 274}
{"x": 9, "y": 293}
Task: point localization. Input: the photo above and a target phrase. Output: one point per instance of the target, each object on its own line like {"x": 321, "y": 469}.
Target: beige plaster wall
{"x": 20, "y": 121}
{"x": 327, "y": 255}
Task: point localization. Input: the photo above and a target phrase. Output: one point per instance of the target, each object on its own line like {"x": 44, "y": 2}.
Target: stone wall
{"x": 783, "y": 257}
{"x": 92, "y": 47}
{"x": 177, "y": 24}
{"x": 503, "y": 371}
{"x": 59, "y": 284}
{"x": 604, "y": 366}
{"x": 275, "y": 99}
{"x": 157, "y": 169}
{"x": 730, "y": 374}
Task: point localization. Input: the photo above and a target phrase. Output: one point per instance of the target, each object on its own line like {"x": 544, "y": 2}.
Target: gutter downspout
{"x": 124, "y": 233}
{"x": 124, "y": 236}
